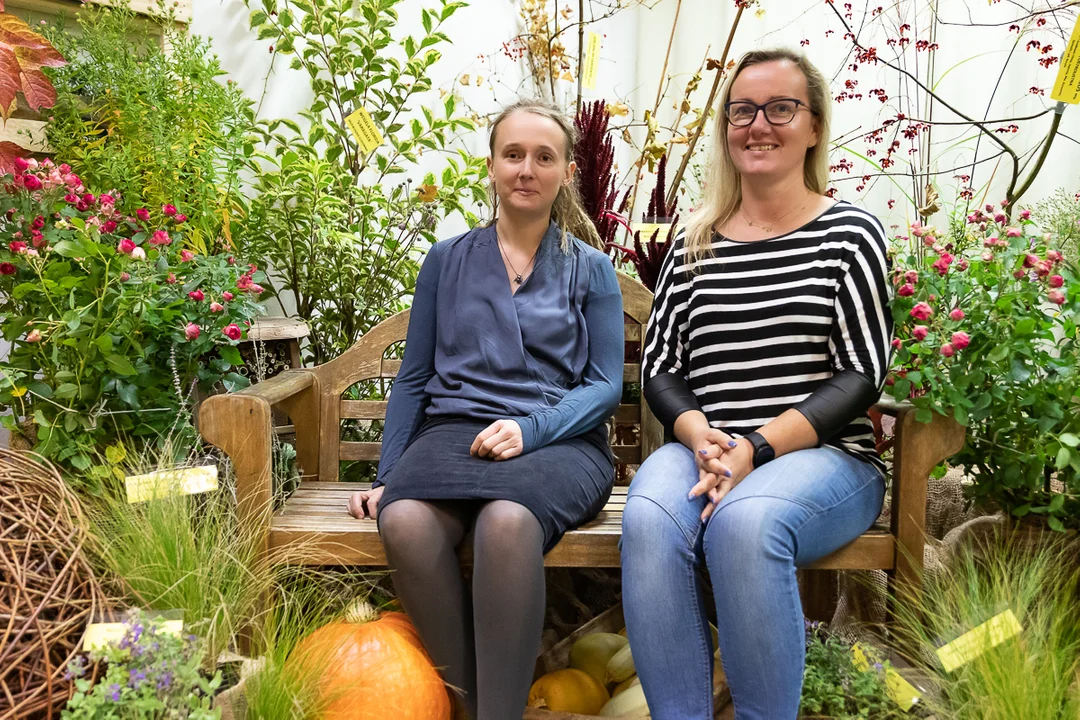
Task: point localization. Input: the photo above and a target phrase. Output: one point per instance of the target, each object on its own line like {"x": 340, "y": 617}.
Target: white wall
{"x": 633, "y": 53}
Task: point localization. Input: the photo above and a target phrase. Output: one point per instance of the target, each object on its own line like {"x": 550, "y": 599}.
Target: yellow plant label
{"x": 975, "y": 642}
{"x": 647, "y": 230}
{"x": 363, "y": 129}
{"x": 900, "y": 690}
{"x": 100, "y": 635}
{"x": 1067, "y": 83}
{"x": 163, "y": 483}
{"x": 591, "y": 62}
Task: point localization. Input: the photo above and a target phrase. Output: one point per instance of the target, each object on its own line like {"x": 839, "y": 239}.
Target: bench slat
{"x": 315, "y": 529}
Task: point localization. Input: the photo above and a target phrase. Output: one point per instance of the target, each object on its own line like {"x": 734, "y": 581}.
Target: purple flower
{"x": 136, "y": 678}
{"x": 114, "y": 692}
{"x": 165, "y": 681}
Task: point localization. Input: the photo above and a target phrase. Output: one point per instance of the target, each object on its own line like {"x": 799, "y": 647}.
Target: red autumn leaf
{"x": 22, "y": 55}
{"x": 8, "y": 152}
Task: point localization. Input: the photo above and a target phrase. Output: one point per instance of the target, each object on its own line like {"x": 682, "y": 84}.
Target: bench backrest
{"x": 636, "y": 432}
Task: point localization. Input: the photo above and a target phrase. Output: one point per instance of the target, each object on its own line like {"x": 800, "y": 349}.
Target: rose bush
{"x": 986, "y": 330}
{"x": 112, "y": 324}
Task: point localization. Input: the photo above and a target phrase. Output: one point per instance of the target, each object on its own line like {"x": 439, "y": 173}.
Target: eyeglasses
{"x": 777, "y": 112}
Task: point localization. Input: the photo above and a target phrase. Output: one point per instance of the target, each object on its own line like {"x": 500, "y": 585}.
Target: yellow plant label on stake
{"x": 100, "y": 635}
{"x": 1067, "y": 83}
{"x": 900, "y": 690}
{"x": 975, "y": 642}
{"x": 363, "y": 129}
{"x": 591, "y": 62}
{"x": 163, "y": 483}
{"x": 647, "y": 230}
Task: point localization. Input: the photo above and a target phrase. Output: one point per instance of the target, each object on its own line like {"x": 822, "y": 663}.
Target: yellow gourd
{"x": 569, "y": 690}
{"x": 592, "y": 652}
{"x": 620, "y": 666}
{"x": 626, "y": 685}
{"x": 630, "y": 703}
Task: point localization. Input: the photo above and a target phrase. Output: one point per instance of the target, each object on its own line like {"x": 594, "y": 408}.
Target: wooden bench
{"x": 313, "y": 526}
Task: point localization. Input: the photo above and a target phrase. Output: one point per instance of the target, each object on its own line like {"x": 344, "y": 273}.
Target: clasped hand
{"x": 722, "y": 463}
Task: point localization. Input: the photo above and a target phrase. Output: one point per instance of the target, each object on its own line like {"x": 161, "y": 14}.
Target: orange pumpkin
{"x": 401, "y": 622}
{"x": 371, "y": 669}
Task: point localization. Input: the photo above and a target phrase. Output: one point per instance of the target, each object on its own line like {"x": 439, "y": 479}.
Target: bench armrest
{"x": 240, "y": 424}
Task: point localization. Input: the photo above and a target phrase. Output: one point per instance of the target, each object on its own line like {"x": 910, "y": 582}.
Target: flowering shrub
{"x": 111, "y": 323}
{"x": 986, "y": 319}
{"x": 150, "y": 673}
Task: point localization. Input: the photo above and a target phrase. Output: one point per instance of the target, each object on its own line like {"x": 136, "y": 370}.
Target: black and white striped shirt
{"x": 756, "y": 327}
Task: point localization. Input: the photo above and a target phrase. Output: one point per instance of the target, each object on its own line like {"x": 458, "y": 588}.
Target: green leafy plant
{"x": 834, "y": 687}
{"x": 986, "y": 331}
{"x": 149, "y": 674}
{"x": 112, "y": 324}
{"x": 150, "y": 126}
{"x": 1032, "y": 675}
{"x": 343, "y": 236}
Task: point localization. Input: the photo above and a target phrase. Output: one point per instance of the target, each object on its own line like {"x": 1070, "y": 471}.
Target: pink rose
{"x": 1000, "y": 218}
{"x": 929, "y": 240}
{"x": 7, "y": 268}
{"x": 947, "y": 350}
{"x": 34, "y": 336}
{"x": 956, "y": 314}
{"x": 17, "y": 246}
{"x": 1030, "y": 260}
{"x": 30, "y": 182}
{"x": 191, "y": 331}
{"x": 125, "y": 246}
{"x": 88, "y": 198}
{"x": 1043, "y": 268}
{"x": 124, "y": 277}
{"x": 71, "y": 198}
{"x": 960, "y": 340}
{"x": 906, "y": 290}
{"x": 921, "y": 311}
{"x": 160, "y": 237}
{"x": 1019, "y": 274}
{"x": 171, "y": 279}
{"x": 256, "y": 289}
{"x": 21, "y": 165}
{"x": 252, "y": 267}
{"x": 106, "y": 199}
{"x": 896, "y": 343}
{"x": 1054, "y": 256}
{"x": 916, "y": 229}
{"x": 919, "y": 332}
{"x": 230, "y": 260}
{"x": 232, "y": 331}
{"x": 1025, "y": 214}
{"x": 244, "y": 282}
{"x": 168, "y": 210}
{"x": 962, "y": 265}
{"x": 1014, "y": 232}
{"x": 1055, "y": 281}
{"x": 180, "y": 218}
{"x": 143, "y": 214}
{"x": 227, "y": 296}
{"x": 942, "y": 264}
{"x": 990, "y": 241}
{"x": 216, "y": 307}
{"x": 1055, "y": 296}
{"x": 196, "y": 295}
{"x": 186, "y": 256}
{"x": 108, "y": 227}
{"x": 911, "y": 276}
{"x": 990, "y": 208}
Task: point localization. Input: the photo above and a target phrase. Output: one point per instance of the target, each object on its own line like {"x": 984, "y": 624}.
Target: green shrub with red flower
{"x": 113, "y": 325}
{"x": 986, "y": 330}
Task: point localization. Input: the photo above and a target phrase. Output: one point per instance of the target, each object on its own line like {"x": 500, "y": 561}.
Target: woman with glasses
{"x": 768, "y": 342}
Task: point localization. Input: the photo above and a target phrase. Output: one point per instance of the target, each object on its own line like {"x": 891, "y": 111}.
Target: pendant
{"x": 518, "y": 280}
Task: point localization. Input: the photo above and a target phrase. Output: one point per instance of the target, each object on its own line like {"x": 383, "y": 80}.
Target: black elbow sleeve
{"x": 842, "y": 398}
{"x": 669, "y": 396}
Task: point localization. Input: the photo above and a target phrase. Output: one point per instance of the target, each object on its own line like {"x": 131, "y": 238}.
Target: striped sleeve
{"x": 666, "y": 349}
{"x": 860, "y": 340}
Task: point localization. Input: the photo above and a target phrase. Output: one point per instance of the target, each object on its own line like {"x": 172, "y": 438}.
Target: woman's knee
{"x": 753, "y": 528}
{"x": 405, "y": 523}
{"x": 658, "y": 501}
{"x": 504, "y": 519}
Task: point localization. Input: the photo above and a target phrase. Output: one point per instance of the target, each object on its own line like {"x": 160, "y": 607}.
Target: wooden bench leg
{"x": 919, "y": 448}
{"x": 819, "y": 594}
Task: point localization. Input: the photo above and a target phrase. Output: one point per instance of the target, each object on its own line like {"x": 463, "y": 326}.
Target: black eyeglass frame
{"x": 762, "y": 109}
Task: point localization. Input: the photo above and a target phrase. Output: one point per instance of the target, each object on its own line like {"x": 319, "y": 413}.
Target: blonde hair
{"x": 567, "y": 211}
{"x": 724, "y": 185}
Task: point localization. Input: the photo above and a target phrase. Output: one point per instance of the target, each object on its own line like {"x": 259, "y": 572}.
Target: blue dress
{"x": 549, "y": 356}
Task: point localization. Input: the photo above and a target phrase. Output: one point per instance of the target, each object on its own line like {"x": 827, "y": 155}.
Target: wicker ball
{"x": 48, "y": 591}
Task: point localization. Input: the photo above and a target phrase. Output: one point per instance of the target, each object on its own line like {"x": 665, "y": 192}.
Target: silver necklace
{"x": 769, "y": 228}
{"x": 518, "y": 276}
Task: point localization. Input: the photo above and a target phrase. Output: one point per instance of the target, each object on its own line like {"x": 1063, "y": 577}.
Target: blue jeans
{"x": 793, "y": 511}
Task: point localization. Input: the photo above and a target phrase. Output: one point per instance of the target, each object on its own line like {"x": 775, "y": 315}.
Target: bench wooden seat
{"x": 313, "y": 526}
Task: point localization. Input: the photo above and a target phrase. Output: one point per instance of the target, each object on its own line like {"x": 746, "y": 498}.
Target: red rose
{"x": 196, "y": 295}
{"x": 232, "y": 331}
{"x": 7, "y": 268}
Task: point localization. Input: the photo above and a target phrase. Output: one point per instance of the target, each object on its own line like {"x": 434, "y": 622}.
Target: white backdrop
{"x": 633, "y": 52}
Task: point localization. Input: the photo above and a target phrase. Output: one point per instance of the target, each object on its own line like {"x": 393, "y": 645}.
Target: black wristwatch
{"x": 763, "y": 451}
